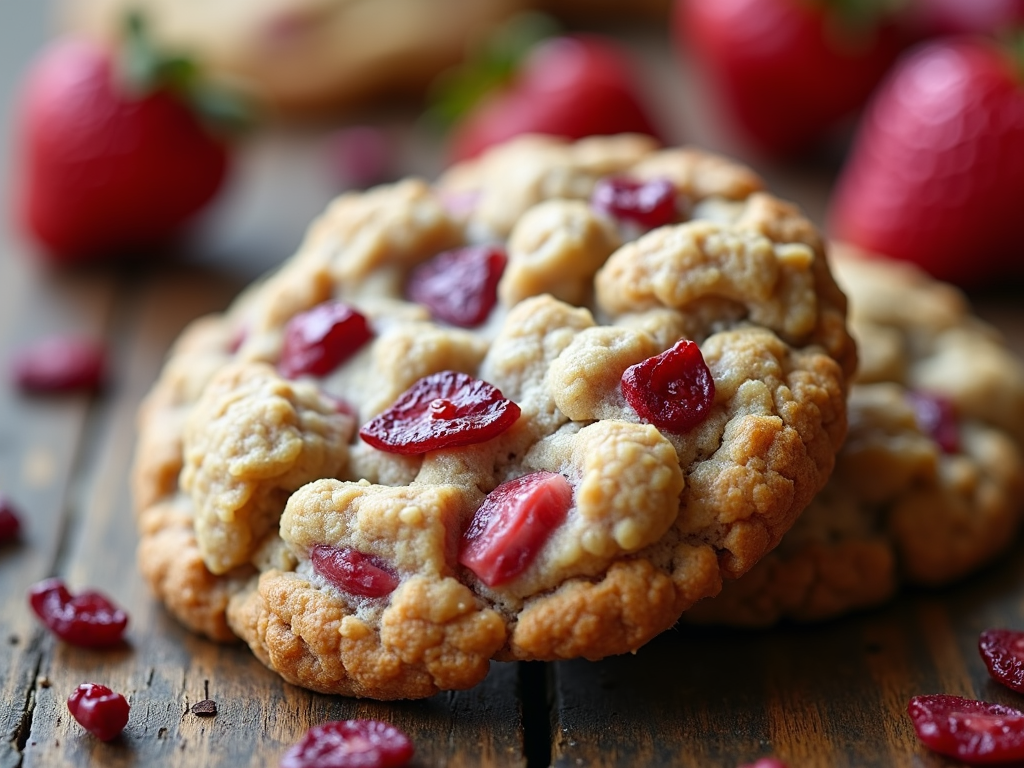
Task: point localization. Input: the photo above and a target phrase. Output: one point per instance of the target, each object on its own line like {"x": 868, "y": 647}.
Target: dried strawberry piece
{"x": 673, "y": 391}
{"x": 936, "y": 416}
{"x": 352, "y": 571}
{"x": 647, "y": 203}
{"x": 350, "y": 744}
{"x": 973, "y": 731}
{"x": 99, "y": 710}
{"x": 1002, "y": 650}
{"x": 512, "y": 524}
{"x": 88, "y": 619}
{"x": 10, "y": 523}
{"x": 61, "y": 364}
{"x": 319, "y": 340}
{"x": 443, "y": 410}
{"x": 460, "y": 286}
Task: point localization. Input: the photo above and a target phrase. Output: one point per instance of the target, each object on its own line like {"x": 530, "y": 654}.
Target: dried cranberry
{"x": 87, "y": 619}
{"x": 936, "y": 417}
{"x": 647, "y": 203}
{"x": 443, "y": 410}
{"x": 674, "y": 390}
{"x": 319, "y": 340}
{"x": 352, "y": 571}
{"x": 461, "y": 286}
{"x": 10, "y": 524}
{"x": 99, "y": 710}
{"x": 1003, "y": 653}
{"x": 61, "y": 364}
{"x": 350, "y": 744}
{"x": 512, "y": 524}
{"x": 972, "y": 731}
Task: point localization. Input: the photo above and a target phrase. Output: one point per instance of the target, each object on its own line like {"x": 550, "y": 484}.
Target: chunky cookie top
{"x": 535, "y": 410}
{"x": 927, "y": 487}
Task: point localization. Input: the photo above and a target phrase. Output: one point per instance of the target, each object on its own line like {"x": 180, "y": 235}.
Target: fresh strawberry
{"x": 567, "y": 85}
{"x": 936, "y": 175}
{"x": 112, "y": 162}
{"x": 785, "y": 72}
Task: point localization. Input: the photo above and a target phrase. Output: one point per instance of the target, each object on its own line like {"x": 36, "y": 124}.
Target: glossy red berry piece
{"x": 649, "y": 204}
{"x": 353, "y": 572}
{"x": 936, "y": 416}
{"x": 673, "y": 391}
{"x": 460, "y": 286}
{"x": 512, "y": 524}
{"x": 99, "y": 710}
{"x": 350, "y": 744}
{"x": 976, "y": 732}
{"x": 443, "y": 410}
{"x": 10, "y": 522}
{"x": 60, "y": 364}
{"x": 1002, "y": 650}
{"x": 87, "y": 619}
{"x": 319, "y": 340}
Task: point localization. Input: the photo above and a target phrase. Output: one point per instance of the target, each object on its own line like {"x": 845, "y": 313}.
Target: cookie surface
{"x": 416, "y": 498}
{"x": 928, "y": 486}
{"x": 307, "y": 55}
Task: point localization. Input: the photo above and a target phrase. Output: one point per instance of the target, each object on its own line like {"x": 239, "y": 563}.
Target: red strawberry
{"x": 108, "y": 168}
{"x": 936, "y": 175}
{"x": 786, "y": 71}
{"x": 571, "y": 86}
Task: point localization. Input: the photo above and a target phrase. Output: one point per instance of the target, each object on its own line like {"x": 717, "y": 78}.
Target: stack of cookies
{"x": 549, "y": 404}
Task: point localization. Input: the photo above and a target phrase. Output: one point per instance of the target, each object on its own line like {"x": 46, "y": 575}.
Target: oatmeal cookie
{"x": 307, "y": 55}
{"x": 534, "y": 410}
{"x": 928, "y": 486}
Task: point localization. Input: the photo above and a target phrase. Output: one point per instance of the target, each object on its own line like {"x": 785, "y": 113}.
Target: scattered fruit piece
{"x": 512, "y": 524}
{"x": 976, "y": 732}
{"x": 571, "y": 86}
{"x": 61, "y": 364}
{"x": 936, "y": 175}
{"x": 205, "y": 708}
{"x": 649, "y": 204}
{"x": 787, "y": 71}
{"x": 319, "y": 340}
{"x": 88, "y": 619}
{"x": 1002, "y": 650}
{"x": 10, "y": 522}
{"x": 442, "y": 410}
{"x": 459, "y": 286}
{"x": 673, "y": 391}
{"x": 116, "y": 159}
{"x": 99, "y": 710}
{"x": 936, "y": 416}
{"x": 353, "y": 572}
{"x": 350, "y": 744}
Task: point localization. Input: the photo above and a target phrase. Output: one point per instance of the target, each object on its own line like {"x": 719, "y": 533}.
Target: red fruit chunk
{"x": 512, "y": 524}
{"x": 973, "y": 731}
{"x": 936, "y": 417}
{"x": 61, "y": 364}
{"x": 443, "y": 410}
{"x": 647, "y": 203}
{"x": 674, "y": 390}
{"x": 352, "y": 571}
{"x": 10, "y": 524}
{"x": 461, "y": 286}
{"x": 1003, "y": 653}
{"x": 99, "y": 710}
{"x": 319, "y": 340}
{"x": 350, "y": 744}
{"x": 87, "y": 619}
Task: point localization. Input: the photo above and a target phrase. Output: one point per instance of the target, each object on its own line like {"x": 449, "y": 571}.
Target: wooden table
{"x": 827, "y": 695}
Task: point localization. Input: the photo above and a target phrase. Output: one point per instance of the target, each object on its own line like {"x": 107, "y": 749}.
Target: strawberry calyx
{"x": 144, "y": 69}
{"x": 493, "y": 64}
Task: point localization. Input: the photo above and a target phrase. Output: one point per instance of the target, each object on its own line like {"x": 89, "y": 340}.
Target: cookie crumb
{"x": 205, "y": 708}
